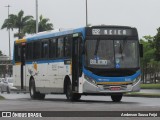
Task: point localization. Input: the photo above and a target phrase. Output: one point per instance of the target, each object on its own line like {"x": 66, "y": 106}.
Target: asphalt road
{"x": 22, "y": 102}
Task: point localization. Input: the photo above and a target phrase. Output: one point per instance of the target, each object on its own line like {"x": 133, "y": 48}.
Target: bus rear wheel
{"x": 116, "y": 97}
{"x": 33, "y": 93}
{"x": 32, "y": 90}
{"x": 70, "y": 95}
{"x": 41, "y": 96}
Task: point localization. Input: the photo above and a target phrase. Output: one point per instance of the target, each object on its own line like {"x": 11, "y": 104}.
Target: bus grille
{"x": 107, "y": 87}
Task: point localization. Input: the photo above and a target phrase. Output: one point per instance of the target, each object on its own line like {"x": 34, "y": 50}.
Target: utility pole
{"x": 86, "y": 14}
{"x": 9, "y": 34}
{"x": 36, "y": 16}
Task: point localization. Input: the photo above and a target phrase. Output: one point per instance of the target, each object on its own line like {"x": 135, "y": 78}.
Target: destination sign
{"x": 111, "y": 31}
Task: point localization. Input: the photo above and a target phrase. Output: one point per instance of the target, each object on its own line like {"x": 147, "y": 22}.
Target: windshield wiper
{"x": 122, "y": 47}
{"x": 96, "y": 49}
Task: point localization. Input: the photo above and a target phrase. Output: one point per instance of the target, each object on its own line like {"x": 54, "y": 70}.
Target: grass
{"x": 2, "y": 98}
{"x": 146, "y": 86}
{"x": 150, "y": 86}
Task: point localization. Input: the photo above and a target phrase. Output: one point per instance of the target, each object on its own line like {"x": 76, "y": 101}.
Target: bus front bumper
{"x": 93, "y": 88}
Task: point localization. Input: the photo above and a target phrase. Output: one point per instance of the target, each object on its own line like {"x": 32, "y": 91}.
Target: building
{"x": 5, "y": 66}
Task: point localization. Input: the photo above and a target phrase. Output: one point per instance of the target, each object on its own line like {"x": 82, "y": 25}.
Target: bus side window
{"x": 60, "y": 51}
{"x": 36, "y": 50}
{"x": 29, "y": 51}
{"x": 67, "y": 47}
{"x": 52, "y": 48}
{"x": 17, "y": 53}
{"x": 45, "y": 48}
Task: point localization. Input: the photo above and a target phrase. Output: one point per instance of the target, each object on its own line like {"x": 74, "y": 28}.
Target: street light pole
{"x": 9, "y": 34}
{"x": 36, "y": 16}
{"x": 86, "y": 14}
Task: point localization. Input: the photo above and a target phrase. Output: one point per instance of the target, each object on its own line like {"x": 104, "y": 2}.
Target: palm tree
{"x": 43, "y": 25}
{"x": 17, "y": 22}
{"x": 8, "y": 24}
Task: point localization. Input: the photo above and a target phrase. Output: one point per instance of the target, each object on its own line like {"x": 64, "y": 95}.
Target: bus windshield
{"x": 111, "y": 53}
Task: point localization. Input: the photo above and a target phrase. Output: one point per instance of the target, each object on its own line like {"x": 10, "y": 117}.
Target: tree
{"x": 148, "y": 48}
{"x": 43, "y": 25}
{"x": 18, "y": 21}
{"x": 157, "y": 45}
{"x": 150, "y": 67}
{"x": 1, "y": 53}
{"x": 149, "y": 51}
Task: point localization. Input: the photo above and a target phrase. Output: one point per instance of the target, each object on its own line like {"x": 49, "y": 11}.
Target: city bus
{"x": 96, "y": 60}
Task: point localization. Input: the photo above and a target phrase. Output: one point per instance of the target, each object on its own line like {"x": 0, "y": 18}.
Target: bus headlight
{"x": 90, "y": 79}
{"x": 136, "y": 80}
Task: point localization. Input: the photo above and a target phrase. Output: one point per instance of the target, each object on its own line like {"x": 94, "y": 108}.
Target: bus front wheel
{"x": 70, "y": 95}
{"x": 116, "y": 97}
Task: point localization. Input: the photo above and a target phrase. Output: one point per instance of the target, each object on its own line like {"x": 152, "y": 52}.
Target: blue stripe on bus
{"x": 111, "y": 79}
{"x": 56, "y": 34}
{"x": 44, "y": 61}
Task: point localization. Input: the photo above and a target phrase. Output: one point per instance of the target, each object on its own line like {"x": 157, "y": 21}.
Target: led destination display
{"x": 111, "y": 31}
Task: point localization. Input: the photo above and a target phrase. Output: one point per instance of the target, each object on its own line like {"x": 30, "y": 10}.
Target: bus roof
{"x": 113, "y": 26}
{"x": 59, "y": 32}
{"x": 49, "y": 34}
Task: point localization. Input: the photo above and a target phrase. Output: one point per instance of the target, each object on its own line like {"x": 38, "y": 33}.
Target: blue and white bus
{"x": 97, "y": 60}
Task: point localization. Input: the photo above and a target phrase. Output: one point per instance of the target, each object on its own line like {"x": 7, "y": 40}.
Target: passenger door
{"x": 19, "y": 67}
{"x": 76, "y": 62}
{"x": 23, "y": 59}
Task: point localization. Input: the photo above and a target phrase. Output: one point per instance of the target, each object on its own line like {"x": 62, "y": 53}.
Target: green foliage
{"x": 1, "y": 53}
{"x": 43, "y": 25}
{"x": 18, "y": 21}
{"x": 157, "y": 45}
{"x": 148, "y": 48}
{"x": 2, "y": 98}
{"x": 150, "y": 67}
{"x": 26, "y": 24}
{"x": 150, "y": 86}
{"x": 30, "y": 28}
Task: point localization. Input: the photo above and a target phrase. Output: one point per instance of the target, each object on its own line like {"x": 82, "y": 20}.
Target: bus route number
{"x": 96, "y": 31}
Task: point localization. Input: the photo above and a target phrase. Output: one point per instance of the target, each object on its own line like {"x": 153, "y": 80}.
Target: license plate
{"x": 115, "y": 88}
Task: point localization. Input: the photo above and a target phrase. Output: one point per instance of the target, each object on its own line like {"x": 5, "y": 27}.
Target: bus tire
{"x": 77, "y": 96}
{"x": 69, "y": 94}
{"x": 116, "y": 97}
{"x": 32, "y": 90}
{"x": 41, "y": 96}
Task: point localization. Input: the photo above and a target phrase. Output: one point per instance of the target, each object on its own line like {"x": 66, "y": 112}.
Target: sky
{"x": 142, "y": 14}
